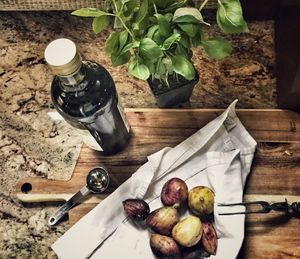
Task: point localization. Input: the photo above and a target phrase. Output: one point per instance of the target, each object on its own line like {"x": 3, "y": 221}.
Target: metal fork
{"x": 265, "y": 207}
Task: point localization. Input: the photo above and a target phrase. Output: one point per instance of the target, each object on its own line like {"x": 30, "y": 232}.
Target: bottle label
{"x": 123, "y": 116}
{"x": 89, "y": 140}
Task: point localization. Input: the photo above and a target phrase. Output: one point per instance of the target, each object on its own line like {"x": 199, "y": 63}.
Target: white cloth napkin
{"x": 218, "y": 156}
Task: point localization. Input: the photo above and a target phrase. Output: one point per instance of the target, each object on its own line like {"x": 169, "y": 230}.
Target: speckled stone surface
{"x": 24, "y": 98}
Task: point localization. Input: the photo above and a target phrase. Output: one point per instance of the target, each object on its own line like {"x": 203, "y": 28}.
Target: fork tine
{"x": 262, "y": 203}
{"x": 233, "y": 213}
{"x": 230, "y": 204}
{"x": 264, "y": 207}
{"x": 241, "y": 212}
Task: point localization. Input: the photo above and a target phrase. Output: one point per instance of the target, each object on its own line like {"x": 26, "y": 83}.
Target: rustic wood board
{"x": 275, "y": 173}
{"x": 42, "y": 5}
{"x": 49, "y": 5}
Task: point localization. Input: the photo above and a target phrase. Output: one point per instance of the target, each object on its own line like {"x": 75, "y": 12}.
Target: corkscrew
{"x": 263, "y": 207}
{"x": 97, "y": 181}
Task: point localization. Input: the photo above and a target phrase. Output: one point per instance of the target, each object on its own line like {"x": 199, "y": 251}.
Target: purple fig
{"x": 174, "y": 192}
{"x": 209, "y": 238}
{"x": 163, "y": 246}
{"x": 136, "y": 209}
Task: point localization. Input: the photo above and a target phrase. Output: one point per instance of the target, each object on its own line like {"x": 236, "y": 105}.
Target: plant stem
{"x": 126, "y": 28}
{"x": 203, "y": 4}
{"x": 123, "y": 23}
{"x": 166, "y": 77}
{"x": 116, "y": 7}
{"x": 155, "y": 9}
{"x": 176, "y": 76}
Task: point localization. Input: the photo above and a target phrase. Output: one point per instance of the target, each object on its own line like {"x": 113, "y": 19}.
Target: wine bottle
{"x": 84, "y": 94}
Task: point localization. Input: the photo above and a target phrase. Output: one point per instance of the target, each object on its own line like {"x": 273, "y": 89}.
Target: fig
{"x": 201, "y": 200}
{"x": 163, "y": 246}
{"x": 174, "y": 192}
{"x": 209, "y": 238}
{"x": 188, "y": 231}
{"x": 136, "y": 209}
{"x": 162, "y": 220}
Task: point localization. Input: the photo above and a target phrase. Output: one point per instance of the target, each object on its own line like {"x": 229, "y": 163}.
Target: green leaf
{"x": 169, "y": 41}
{"x": 120, "y": 59}
{"x": 181, "y": 51}
{"x": 184, "y": 40}
{"x": 151, "y": 67}
{"x": 128, "y": 9}
{"x": 188, "y": 15}
{"x": 117, "y": 23}
{"x": 164, "y": 25}
{"x": 138, "y": 70}
{"x": 187, "y": 19}
{"x": 190, "y": 29}
{"x": 160, "y": 70}
{"x": 169, "y": 17}
{"x": 151, "y": 31}
{"x": 112, "y": 43}
{"x": 144, "y": 24}
{"x": 230, "y": 17}
{"x": 122, "y": 39}
{"x": 89, "y": 12}
{"x": 143, "y": 10}
{"x": 158, "y": 38}
{"x": 100, "y": 23}
{"x": 196, "y": 40}
{"x": 149, "y": 50}
{"x": 163, "y": 3}
{"x": 183, "y": 67}
{"x": 217, "y": 48}
{"x": 154, "y": 34}
{"x": 129, "y": 46}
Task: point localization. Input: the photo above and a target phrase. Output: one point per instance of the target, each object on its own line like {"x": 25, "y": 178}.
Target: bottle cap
{"x": 62, "y": 57}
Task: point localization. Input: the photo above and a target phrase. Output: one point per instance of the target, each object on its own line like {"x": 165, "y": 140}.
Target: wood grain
{"x": 40, "y": 5}
{"x": 49, "y": 5}
{"x": 275, "y": 173}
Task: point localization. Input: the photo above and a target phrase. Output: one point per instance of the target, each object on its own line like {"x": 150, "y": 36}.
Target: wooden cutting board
{"x": 275, "y": 172}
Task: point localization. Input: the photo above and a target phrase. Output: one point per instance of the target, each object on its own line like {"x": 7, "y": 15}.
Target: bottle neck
{"x": 73, "y": 80}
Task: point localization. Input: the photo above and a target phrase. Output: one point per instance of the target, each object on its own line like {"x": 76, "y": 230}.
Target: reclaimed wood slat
{"x": 47, "y": 5}
{"x": 42, "y": 5}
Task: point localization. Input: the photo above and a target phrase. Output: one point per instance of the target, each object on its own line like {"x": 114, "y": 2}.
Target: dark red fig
{"x": 209, "y": 238}
{"x": 163, "y": 246}
{"x": 174, "y": 192}
{"x": 137, "y": 209}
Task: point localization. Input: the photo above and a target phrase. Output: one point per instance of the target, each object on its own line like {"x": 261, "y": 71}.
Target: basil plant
{"x": 156, "y": 36}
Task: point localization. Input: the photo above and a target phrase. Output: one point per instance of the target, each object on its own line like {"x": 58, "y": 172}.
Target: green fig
{"x": 201, "y": 200}
{"x": 188, "y": 231}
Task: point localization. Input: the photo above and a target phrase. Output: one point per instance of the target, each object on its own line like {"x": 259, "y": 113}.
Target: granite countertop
{"x": 24, "y": 94}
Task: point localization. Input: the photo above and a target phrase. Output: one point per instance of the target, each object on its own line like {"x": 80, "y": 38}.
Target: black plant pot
{"x": 177, "y": 93}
